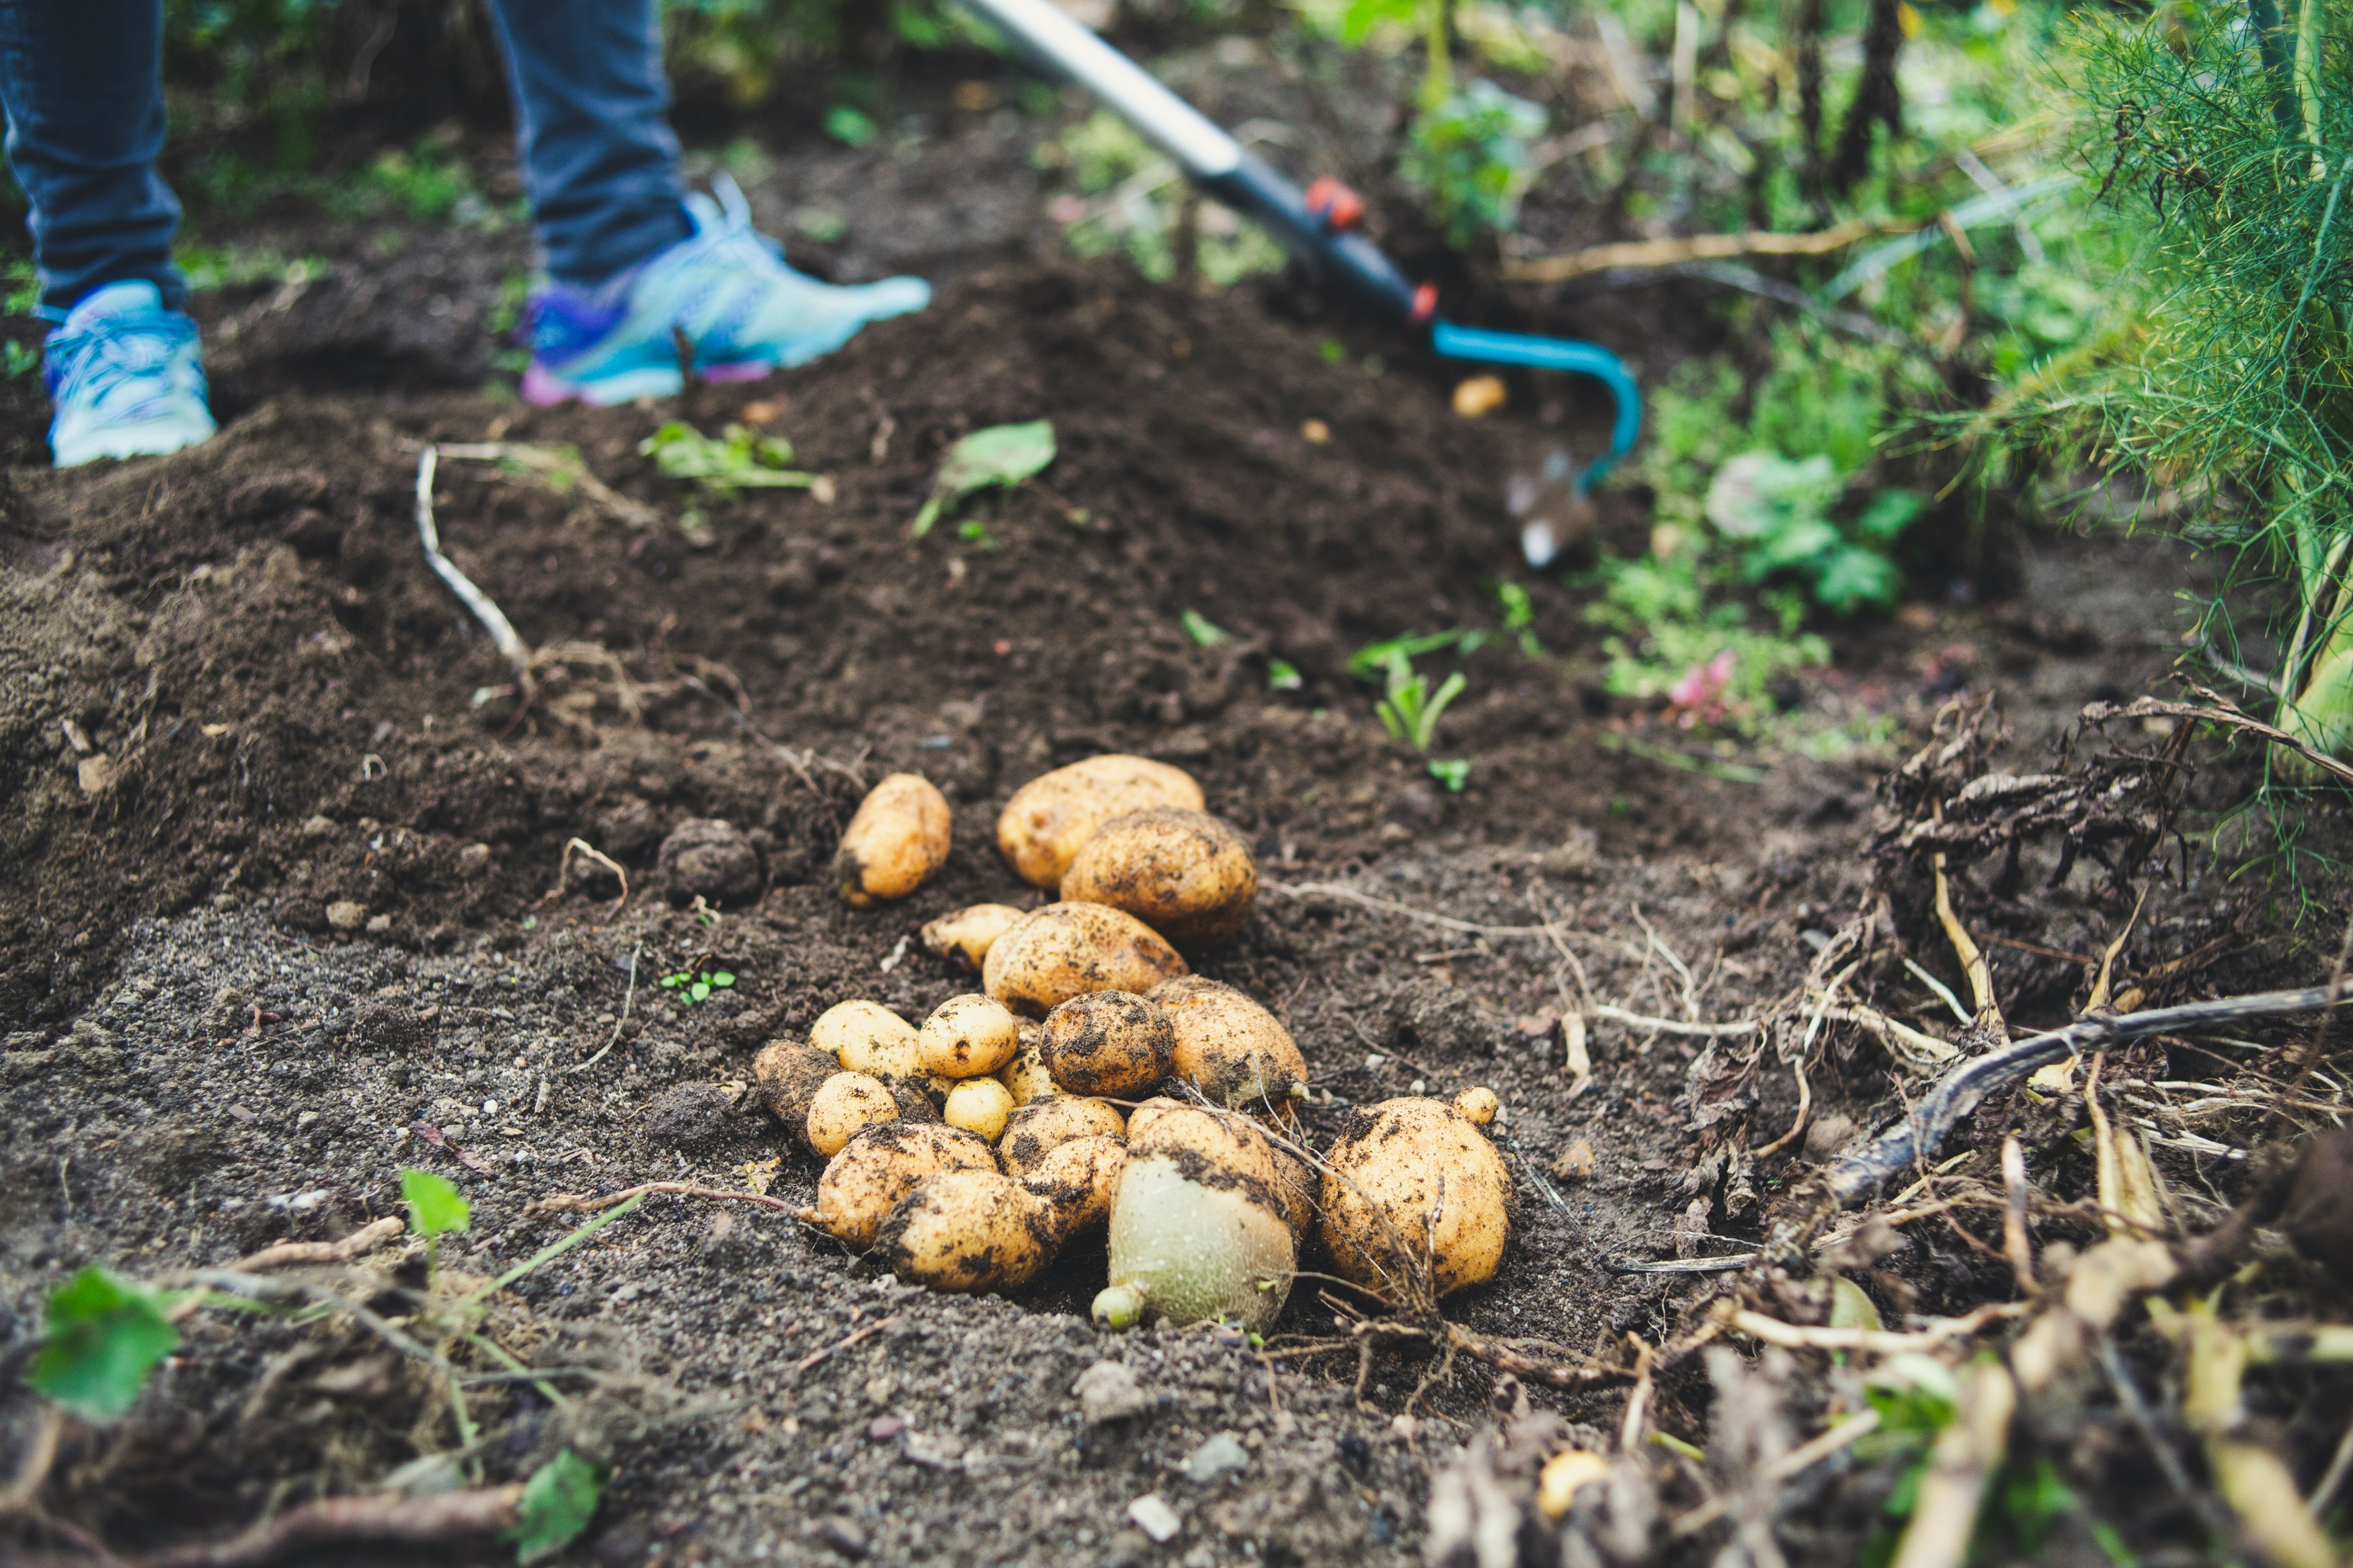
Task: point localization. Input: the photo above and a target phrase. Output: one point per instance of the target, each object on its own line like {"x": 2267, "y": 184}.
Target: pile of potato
{"x": 970, "y": 1150}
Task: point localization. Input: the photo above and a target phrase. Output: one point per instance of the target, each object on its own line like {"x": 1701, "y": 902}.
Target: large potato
{"x": 969, "y": 1037}
{"x": 1068, "y": 950}
{"x": 1109, "y": 1043}
{"x": 880, "y": 1165}
{"x": 1185, "y": 874}
{"x": 1081, "y": 1179}
{"x": 1051, "y": 817}
{"x": 970, "y": 1230}
{"x": 1198, "y": 1229}
{"x": 844, "y": 1106}
{"x": 789, "y": 1075}
{"x": 1027, "y": 1075}
{"x": 898, "y": 837}
{"x": 1412, "y": 1181}
{"x": 868, "y": 1037}
{"x": 1039, "y": 1128}
{"x": 963, "y": 936}
{"x": 1231, "y": 1048}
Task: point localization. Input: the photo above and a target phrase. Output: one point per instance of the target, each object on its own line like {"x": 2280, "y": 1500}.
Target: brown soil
{"x": 235, "y": 698}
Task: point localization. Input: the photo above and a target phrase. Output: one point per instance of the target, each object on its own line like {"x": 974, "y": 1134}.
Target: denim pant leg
{"x": 592, "y": 116}
{"x": 82, "y": 84}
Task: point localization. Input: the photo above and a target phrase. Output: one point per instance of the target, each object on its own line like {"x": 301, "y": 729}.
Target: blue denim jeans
{"x": 81, "y": 81}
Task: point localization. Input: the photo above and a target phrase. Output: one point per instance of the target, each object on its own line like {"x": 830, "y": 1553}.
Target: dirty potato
{"x": 967, "y": 1037}
{"x": 868, "y": 1037}
{"x": 969, "y": 1230}
{"x": 1198, "y": 1229}
{"x": 1413, "y": 1182}
{"x": 1068, "y": 950}
{"x": 1477, "y": 1105}
{"x": 1027, "y": 1075}
{"x": 963, "y": 936}
{"x": 1036, "y": 1129}
{"x": 898, "y": 837}
{"x": 1187, "y": 875}
{"x": 1081, "y": 1179}
{"x": 978, "y": 1105}
{"x": 843, "y": 1106}
{"x": 789, "y": 1075}
{"x": 1109, "y": 1043}
{"x": 1231, "y": 1048}
{"x": 1051, "y": 817}
{"x": 880, "y": 1165}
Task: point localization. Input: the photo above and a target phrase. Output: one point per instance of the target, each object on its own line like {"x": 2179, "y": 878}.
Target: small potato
{"x": 1411, "y": 1182}
{"x": 1081, "y": 1179}
{"x": 1026, "y": 1075}
{"x": 969, "y": 1230}
{"x": 844, "y": 1105}
{"x": 1232, "y": 1049}
{"x": 1477, "y": 1105}
{"x": 880, "y": 1166}
{"x": 789, "y": 1075}
{"x": 1036, "y": 1129}
{"x": 1109, "y": 1042}
{"x": 979, "y": 1105}
{"x": 1185, "y": 874}
{"x": 898, "y": 837}
{"x": 969, "y": 1037}
{"x": 868, "y": 1037}
{"x": 964, "y": 936}
{"x": 1051, "y": 817}
{"x": 1068, "y": 950}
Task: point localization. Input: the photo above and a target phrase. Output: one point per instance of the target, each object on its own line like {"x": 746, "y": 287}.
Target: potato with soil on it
{"x": 845, "y": 1105}
{"x": 1198, "y": 1229}
{"x": 964, "y": 936}
{"x": 1231, "y": 1048}
{"x": 882, "y": 1164}
{"x": 979, "y": 1105}
{"x": 868, "y": 1037}
{"x": 789, "y": 1074}
{"x": 967, "y": 1037}
{"x": 1081, "y": 1179}
{"x": 898, "y": 837}
{"x": 1027, "y": 1075}
{"x": 1111, "y": 1042}
{"x": 1038, "y": 1129}
{"x": 1414, "y": 1184}
{"x": 1048, "y": 819}
{"x": 969, "y": 1230}
{"x": 1185, "y": 874}
{"x": 707, "y": 859}
{"x": 1068, "y": 950}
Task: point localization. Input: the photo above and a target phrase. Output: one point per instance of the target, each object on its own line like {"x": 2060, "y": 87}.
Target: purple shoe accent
{"x": 742, "y": 370}
{"x": 542, "y": 390}
{"x": 563, "y": 320}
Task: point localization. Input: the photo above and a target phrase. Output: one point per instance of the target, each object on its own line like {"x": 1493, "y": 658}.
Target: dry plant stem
{"x": 1874, "y": 1342}
{"x": 485, "y": 609}
{"x": 1651, "y": 254}
{"x": 2017, "y": 1244}
{"x": 2225, "y": 712}
{"x": 1966, "y": 1456}
{"x": 1674, "y": 1027}
{"x": 2127, "y": 1187}
{"x": 261, "y": 1287}
{"x": 1638, "y": 1403}
{"x": 1796, "y": 1462}
{"x": 627, "y": 997}
{"x": 364, "y": 1240}
{"x": 588, "y": 851}
{"x": 1965, "y": 947}
{"x": 847, "y": 1342}
{"x": 573, "y": 1202}
{"x": 351, "y": 1522}
{"x": 39, "y": 1454}
{"x": 1899, "y": 1149}
{"x": 540, "y": 460}
{"x": 2253, "y": 1480}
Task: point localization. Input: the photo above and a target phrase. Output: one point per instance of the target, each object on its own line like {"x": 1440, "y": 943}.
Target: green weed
{"x": 1409, "y": 708}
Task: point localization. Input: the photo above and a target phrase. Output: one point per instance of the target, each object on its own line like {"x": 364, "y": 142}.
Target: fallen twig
{"x": 1901, "y": 1147}
{"x": 627, "y": 997}
{"x": 1390, "y": 906}
{"x": 559, "y": 468}
{"x": 853, "y": 1339}
{"x": 357, "y": 1521}
{"x": 486, "y": 610}
{"x": 1652, "y": 254}
{"x": 1875, "y": 1342}
{"x": 557, "y": 1202}
{"x": 365, "y": 1240}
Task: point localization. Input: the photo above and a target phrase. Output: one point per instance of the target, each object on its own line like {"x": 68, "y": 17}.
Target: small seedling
{"x": 1519, "y": 616}
{"x": 741, "y": 459}
{"x": 1203, "y": 631}
{"x": 105, "y": 1335}
{"x": 558, "y": 1501}
{"x": 16, "y": 360}
{"x": 695, "y": 985}
{"x": 1451, "y": 772}
{"x": 1284, "y": 676}
{"x": 1372, "y": 660}
{"x": 975, "y": 532}
{"x": 1000, "y": 454}
{"x": 436, "y": 1209}
{"x": 1411, "y": 710}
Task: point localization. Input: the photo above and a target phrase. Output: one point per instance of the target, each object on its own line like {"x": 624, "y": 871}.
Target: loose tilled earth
{"x": 234, "y": 699}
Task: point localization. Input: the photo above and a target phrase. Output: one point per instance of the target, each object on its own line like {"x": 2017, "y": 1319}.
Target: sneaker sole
{"x": 544, "y": 388}
{"x": 156, "y": 438}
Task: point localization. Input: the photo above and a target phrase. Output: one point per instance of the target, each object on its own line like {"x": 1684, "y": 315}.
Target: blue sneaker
{"x": 126, "y": 378}
{"x": 726, "y": 290}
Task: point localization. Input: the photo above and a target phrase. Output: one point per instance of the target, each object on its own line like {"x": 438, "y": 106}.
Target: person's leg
{"x": 81, "y": 84}
{"x": 592, "y": 118}
{"x": 632, "y": 269}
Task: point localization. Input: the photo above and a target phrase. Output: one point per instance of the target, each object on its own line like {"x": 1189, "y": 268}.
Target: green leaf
{"x": 1850, "y": 1307}
{"x": 1203, "y": 631}
{"x": 558, "y": 1501}
{"x": 1284, "y": 676}
{"x": 1000, "y": 454}
{"x": 1760, "y": 494}
{"x": 1451, "y": 772}
{"x": 1857, "y": 576}
{"x": 850, "y": 127}
{"x": 739, "y": 459}
{"x": 105, "y": 1335}
{"x": 435, "y": 1207}
{"x": 1374, "y": 657}
{"x": 1888, "y": 515}
{"x": 721, "y": 979}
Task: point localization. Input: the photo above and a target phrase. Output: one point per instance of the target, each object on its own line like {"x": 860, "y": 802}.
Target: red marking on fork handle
{"x": 1340, "y": 207}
